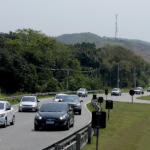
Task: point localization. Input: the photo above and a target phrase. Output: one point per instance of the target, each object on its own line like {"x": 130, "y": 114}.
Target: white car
{"x": 58, "y": 97}
{"x": 28, "y": 103}
{"x": 7, "y": 114}
{"x": 138, "y": 90}
{"x": 82, "y": 92}
{"x": 116, "y": 91}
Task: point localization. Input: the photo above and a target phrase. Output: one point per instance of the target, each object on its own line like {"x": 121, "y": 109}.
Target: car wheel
{"x": 36, "y": 127}
{"x": 5, "y": 123}
{"x": 80, "y": 112}
{"x": 67, "y": 127}
{"x": 13, "y": 121}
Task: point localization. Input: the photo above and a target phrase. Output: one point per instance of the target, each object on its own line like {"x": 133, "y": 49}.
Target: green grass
{"x": 144, "y": 97}
{"x": 128, "y": 128}
{"x": 16, "y": 101}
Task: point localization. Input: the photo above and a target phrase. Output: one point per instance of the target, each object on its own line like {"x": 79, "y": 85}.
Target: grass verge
{"x": 144, "y": 97}
{"x": 127, "y": 128}
{"x": 16, "y": 101}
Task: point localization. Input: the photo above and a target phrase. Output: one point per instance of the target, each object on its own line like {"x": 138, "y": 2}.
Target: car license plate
{"x": 49, "y": 122}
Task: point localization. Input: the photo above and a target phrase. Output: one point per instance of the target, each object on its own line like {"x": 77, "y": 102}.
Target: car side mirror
{"x": 8, "y": 108}
{"x": 70, "y": 109}
{"x": 81, "y": 100}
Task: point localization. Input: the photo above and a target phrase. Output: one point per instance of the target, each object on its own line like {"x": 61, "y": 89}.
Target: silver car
{"x": 7, "y": 114}
{"x": 82, "y": 92}
{"x": 28, "y": 103}
{"x": 58, "y": 97}
{"x": 116, "y": 91}
{"x": 138, "y": 90}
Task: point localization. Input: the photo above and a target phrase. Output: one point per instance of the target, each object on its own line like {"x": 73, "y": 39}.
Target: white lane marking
{"x": 88, "y": 110}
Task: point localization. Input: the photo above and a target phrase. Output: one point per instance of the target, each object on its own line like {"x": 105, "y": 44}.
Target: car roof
{"x": 28, "y": 96}
{"x": 71, "y": 95}
{"x": 3, "y": 102}
{"x": 57, "y": 103}
{"x": 61, "y": 94}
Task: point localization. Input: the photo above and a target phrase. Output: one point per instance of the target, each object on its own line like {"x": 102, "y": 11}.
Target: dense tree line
{"x": 31, "y": 61}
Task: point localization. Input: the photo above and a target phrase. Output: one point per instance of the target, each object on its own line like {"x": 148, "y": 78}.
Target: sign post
{"x": 100, "y": 100}
{"x": 106, "y": 93}
{"x": 109, "y": 105}
{"x": 98, "y": 121}
{"x": 131, "y": 92}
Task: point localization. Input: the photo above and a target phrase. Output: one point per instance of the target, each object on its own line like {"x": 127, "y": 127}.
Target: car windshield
{"x": 137, "y": 89}
{"x": 1, "y": 105}
{"x": 53, "y": 107}
{"x": 115, "y": 89}
{"x": 28, "y": 99}
{"x": 81, "y": 90}
{"x": 70, "y": 99}
{"x": 59, "y": 96}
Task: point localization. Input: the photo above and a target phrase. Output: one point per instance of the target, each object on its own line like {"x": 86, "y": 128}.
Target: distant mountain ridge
{"x": 138, "y": 46}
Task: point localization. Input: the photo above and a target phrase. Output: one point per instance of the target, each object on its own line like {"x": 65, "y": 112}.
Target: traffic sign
{"x": 131, "y": 92}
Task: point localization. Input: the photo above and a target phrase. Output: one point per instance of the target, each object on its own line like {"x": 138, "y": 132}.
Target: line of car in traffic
{"x": 137, "y": 90}
{"x": 59, "y": 113}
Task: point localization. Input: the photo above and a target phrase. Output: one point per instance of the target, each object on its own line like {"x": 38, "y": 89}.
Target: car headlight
{"x": 34, "y": 105}
{"x": 20, "y": 104}
{"x": 2, "y": 115}
{"x": 38, "y": 116}
{"x": 78, "y": 104}
{"x": 62, "y": 117}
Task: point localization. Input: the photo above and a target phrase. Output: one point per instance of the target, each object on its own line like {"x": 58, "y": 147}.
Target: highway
{"x": 22, "y": 135}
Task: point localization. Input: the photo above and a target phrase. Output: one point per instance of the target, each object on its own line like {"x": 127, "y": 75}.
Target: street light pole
{"x": 118, "y": 77}
{"x": 134, "y": 78}
{"x": 67, "y": 77}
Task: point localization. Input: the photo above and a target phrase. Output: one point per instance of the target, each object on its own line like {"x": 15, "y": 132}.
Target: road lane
{"x": 22, "y": 134}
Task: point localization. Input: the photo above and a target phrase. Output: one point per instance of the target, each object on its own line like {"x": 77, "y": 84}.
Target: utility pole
{"x": 116, "y": 28}
{"x": 67, "y": 77}
{"x": 134, "y": 78}
{"x": 118, "y": 80}
{"x": 96, "y": 73}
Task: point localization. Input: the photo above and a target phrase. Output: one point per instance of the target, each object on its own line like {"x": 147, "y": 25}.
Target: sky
{"x": 57, "y": 17}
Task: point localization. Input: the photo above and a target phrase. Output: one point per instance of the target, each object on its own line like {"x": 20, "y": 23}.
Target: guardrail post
{"x": 89, "y": 134}
{"x": 58, "y": 147}
{"x": 78, "y": 139}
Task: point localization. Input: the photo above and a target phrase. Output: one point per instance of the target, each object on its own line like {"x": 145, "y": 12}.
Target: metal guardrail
{"x": 43, "y": 94}
{"x": 95, "y": 105}
{"x": 75, "y": 141}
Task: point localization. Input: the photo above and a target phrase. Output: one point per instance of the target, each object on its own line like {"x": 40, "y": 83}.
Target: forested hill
{"x": 139, "y": 47}
{"x": 32, "y": 62}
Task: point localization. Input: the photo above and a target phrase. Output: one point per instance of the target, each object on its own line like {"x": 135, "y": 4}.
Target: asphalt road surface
{"x": 22, "y": 135}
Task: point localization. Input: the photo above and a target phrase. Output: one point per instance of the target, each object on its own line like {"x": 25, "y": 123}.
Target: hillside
{"x": 139, "y": 47}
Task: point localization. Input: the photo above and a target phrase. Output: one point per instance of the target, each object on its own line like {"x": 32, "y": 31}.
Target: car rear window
{"x": 53, "y": 107}
{"x": 59, "y": 96}
{"x": 1, "y": 105}
{"x": 70, "y": 99}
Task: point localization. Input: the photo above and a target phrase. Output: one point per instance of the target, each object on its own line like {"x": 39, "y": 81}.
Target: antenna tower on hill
{"x": 116, "y": 29}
